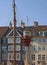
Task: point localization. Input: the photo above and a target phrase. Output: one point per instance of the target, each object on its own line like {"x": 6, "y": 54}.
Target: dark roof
{"x": 5, "y": 30}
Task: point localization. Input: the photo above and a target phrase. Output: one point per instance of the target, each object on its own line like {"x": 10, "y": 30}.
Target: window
{"x": 23, "y": 48}
{"x": 39, "y": 48}
{"x": 4, "y": 48}
{"x": 41, "y": 33}
{"x": 27, "y": 33}
{"x": 33, "y": 57}
{"x": 18, "y": 57}
{"x": 44, "y": 40}
{"x": 39, "y": 40}
{"x": 23, "y": 57}
{"x": 43, "y": 47}
{"x": 39, "y": 57}
{"x": 43, "y": 57}
{"x": 45, "y": 33}
{"x": 4, "y": 40}
{"x": 18, "y": 47}
{"x": 33, "y": 48}
{"x": 34, "y": 39}
{"x": 18, "y": 40}
{"x": 10, "y": 56}
{"x": 10, "y": 40}
{"x": 10, "y": 48}
{"x": 33, "y": 63}
{"x": 4, "y": 56}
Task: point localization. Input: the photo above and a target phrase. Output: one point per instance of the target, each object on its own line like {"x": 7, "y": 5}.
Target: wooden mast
{"x": 14, "y": 20}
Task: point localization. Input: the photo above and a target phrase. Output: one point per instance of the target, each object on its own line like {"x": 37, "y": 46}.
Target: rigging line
{"x": 18, "y": 12}
{"x": 9, "y": 19}
{"x": 19, "y": 18}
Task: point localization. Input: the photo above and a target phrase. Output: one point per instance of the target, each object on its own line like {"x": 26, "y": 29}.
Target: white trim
{"x": 12, "y": 36}
{"x": 9, "y": 33}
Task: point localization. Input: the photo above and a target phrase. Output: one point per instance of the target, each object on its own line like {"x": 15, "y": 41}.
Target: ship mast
{"x": 14, "y": 20}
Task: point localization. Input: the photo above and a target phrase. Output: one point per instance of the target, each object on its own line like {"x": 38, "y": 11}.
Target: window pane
{"x": 18, "y": 47}
{"x": 23, "y": 56}
{"x": 4, "y": 48}
{"x": 45, "y": 33}
{"x": 10, "y": 40}
{"x": 39, "y": 48}
{"x": 39, "y": 57}
{"x": 44, "y": 40}
{"x": 10, "y": 56}
{"x": 34, "y": 40}
{"x": 10, "y": 48}
{"x": 43, "y": 57}
{"x": 23, "y": 48}
{"x": 18, "y": 57}
{"x": 41, "y": 33}
{"x": 18, "y": 40}
{"x": 33, "y": 57}
{"x": 39, "y": 40}
{"x": 33, "y": 63}
{"x": 4, "y": 40}
{"x": 43, "y": 47}
{"x": 33, "y": 48}
{"x": 4, "y": 56}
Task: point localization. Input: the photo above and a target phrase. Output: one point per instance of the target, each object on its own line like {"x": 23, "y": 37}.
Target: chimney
{"x": 10, "y": 25}
{"x": 22, "y": 24}
{"x": 35, "y": 24}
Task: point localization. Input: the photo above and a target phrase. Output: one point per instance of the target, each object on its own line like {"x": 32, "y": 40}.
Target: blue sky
{"x": 36, "y": 10}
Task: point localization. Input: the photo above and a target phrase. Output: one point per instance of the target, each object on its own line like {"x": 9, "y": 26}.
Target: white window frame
{"x": 34, "y": 39}
{"x": 39, "y": 40}
{"x": 4, "y": 48}
{"x": 23, "y": 48}
{"x": 43, "y": 57}
{"x": 33, "y": 63}
{"x": 39, "y": 57}
{"x": 19, "y": 56}
{"x": 39, "y": 48}
{"x": 33, "y": 57}
{"x": 33, "y": 48}
{"x": 10, "y": 48}
{"x": 10, "y": 39}
{"x": 18, "y": 40}
{"x": 4, "y": 56}
{"x": 11, "y": 55}
{"x": 18, "y": 47}
{"x": 43, "y": 48}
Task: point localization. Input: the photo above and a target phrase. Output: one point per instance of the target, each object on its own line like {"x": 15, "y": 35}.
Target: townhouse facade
{"x": 37, "y": 49}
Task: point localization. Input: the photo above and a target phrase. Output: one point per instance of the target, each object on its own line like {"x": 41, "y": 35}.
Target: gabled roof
{"x": 10, "y": 34}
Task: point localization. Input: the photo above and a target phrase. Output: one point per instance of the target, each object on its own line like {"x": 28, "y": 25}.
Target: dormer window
{"x": 45, "y": 33}
{"x": 41, "y": 33}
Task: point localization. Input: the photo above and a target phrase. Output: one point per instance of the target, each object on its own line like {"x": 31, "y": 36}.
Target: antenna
{"x": 27, "y": 19}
